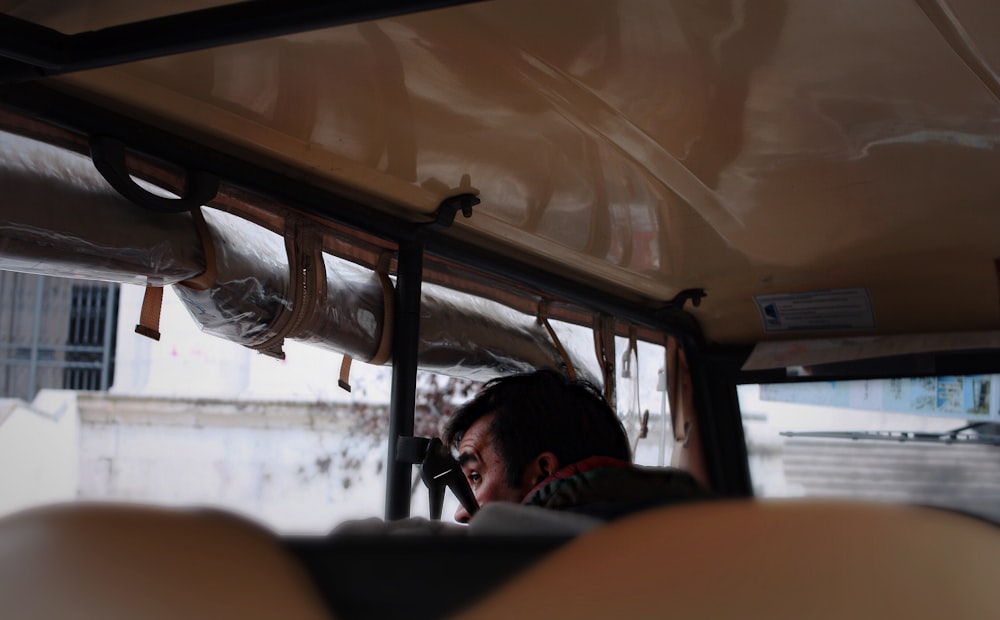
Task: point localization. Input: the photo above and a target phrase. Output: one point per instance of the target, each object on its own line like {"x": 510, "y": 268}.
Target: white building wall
{"x": 193, "y": 419}
{"x": 296, "y": 467}
{"x": 38, "y": 450}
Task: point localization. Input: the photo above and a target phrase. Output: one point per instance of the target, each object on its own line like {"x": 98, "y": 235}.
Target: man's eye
{"x": 474, "y": 477}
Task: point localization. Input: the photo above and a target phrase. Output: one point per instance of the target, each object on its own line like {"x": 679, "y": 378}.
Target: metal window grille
{"x": 55, "y": 333}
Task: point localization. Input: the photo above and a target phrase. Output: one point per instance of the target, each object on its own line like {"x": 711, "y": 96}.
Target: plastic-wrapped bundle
{"x": 459, "y": 334}
{"x": 61, "y": 218}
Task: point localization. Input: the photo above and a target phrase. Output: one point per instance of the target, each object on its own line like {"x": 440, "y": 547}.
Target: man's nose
{"x": 462, "y": 515}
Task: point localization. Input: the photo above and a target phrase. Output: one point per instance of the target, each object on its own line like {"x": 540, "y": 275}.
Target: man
{"x": 543, "y": 440}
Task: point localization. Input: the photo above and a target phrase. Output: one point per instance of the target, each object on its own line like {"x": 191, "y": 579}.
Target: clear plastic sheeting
{"x": 250, "y": 283}
{"x": 459, "y": 334}
{"x": 353, "y": 310}
{"x": 481, "y": 339}
{"x": 61, "y": 218}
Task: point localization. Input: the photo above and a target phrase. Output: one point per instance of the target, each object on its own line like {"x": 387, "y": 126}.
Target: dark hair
{"x": 542, "y": 411}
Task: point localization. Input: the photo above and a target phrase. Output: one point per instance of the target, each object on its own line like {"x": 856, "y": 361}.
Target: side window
{"x": 643, "y": 405}
{"x": 191, "y": 420}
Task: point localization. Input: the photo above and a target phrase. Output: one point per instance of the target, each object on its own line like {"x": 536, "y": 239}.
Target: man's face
{"x": 484, "y": 468}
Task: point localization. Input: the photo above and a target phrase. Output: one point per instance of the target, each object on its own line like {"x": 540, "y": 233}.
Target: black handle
{"x": 438, "y": 468}
{"x": 108, "y": 155}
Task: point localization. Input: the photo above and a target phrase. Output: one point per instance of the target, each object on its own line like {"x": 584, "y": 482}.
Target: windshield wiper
{"x": 977, "y": 433}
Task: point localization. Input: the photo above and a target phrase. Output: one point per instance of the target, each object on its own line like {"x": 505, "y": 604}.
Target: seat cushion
{"x": 765, "y": 559}
{"x": 118, "y": 562}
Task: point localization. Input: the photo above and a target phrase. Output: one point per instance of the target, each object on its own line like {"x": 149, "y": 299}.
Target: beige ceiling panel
{"x": 642, "y": 146}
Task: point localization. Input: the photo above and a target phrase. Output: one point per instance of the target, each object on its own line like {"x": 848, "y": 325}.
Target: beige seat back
{"x": 774, "y": 560}
{"x": 118, "y": 563}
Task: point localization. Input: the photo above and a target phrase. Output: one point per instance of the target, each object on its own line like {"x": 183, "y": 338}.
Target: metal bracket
{"x": 449, "y": 208}
{"x": 694, "y": 295}
{"x": 108, "y": 155}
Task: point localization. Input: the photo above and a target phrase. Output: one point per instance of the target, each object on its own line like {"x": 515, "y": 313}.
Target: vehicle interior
{"x": 787, "y": 201}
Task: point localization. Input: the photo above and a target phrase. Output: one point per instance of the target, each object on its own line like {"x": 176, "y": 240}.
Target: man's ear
{"x": 541, "y": 467}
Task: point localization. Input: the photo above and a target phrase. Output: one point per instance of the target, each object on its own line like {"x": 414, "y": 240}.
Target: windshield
{"x": 932, "y": 440}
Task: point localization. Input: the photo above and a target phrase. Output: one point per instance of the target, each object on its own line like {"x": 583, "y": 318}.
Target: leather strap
{"x": 149, "y": 316}
{"x": 604, "y": 342}
{"x": 345, "y": 373}
{"x": 205, "y": 279}
{"x": 675, "y": 367}
{"x": 306, "y": 285}
{"x": 544, "y": 320}
{"x": 383, "y": 353}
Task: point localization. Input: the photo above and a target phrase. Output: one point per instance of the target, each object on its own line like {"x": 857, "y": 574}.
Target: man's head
{"x": 519, "y": 430}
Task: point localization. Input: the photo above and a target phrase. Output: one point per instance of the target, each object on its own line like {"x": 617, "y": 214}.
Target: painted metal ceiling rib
{"x": 30, "y": 51}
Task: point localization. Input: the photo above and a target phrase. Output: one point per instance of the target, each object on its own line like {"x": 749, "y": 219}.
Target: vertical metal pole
{"x": 405, "y": 336}
{"x": 36, "y": 331}
{"x": 995, "y": 397}
{"x": 662, "y": 386}
{"x": 88, "y": 307}
{"x": 72, "y": 375}
{"x": 109, "y": 325}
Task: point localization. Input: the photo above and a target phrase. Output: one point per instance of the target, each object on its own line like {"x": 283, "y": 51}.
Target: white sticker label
{"x": 842, "y": 309}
